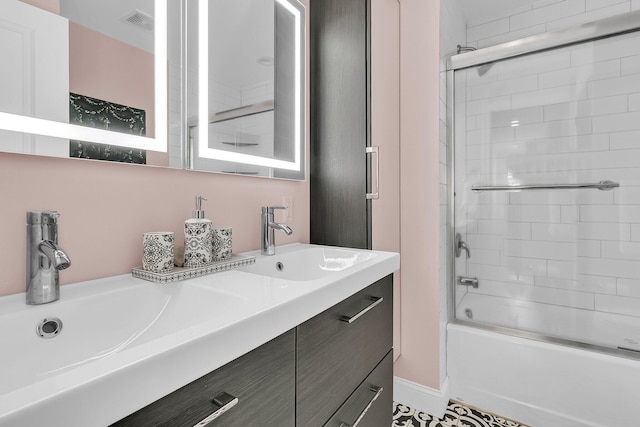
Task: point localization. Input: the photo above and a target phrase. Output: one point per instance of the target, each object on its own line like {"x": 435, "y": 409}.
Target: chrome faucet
{"x": 44, "y": 257}
{"x": 267, "y": 227}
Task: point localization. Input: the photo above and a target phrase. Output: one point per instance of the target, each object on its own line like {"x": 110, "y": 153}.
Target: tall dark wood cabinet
{"x": 340, "y": 122}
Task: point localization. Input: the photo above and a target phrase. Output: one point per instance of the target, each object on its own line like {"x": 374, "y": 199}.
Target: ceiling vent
{"x": 139, "y": 19}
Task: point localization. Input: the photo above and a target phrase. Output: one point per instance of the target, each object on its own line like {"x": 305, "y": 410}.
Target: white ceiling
{"x": 106, "y": 18}
{"x": 240, "y": 32}
{"x": 474, "y": 9}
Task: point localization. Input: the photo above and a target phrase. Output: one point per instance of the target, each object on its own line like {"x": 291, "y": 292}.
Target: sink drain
{"x": 279, "y": 266}
{"x": 49, "y": 327}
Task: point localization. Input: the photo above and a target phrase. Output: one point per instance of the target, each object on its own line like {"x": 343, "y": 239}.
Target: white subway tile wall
{"x": 569, "y": 115}
{"x": 542, "y": 16}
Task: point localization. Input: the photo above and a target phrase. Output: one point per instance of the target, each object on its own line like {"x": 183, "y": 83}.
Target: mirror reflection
{"x": 252, "y": 121}
{"x": 88, "y": 63}
{"x": 81, "y": 79}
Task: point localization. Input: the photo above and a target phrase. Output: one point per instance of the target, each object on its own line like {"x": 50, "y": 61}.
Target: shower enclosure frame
{"x": 605, "y": 28}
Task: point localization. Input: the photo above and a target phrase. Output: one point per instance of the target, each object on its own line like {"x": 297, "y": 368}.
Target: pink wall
{"x": 420, "y": 191}
{"x": 385, "y": 134}
{"x": 105, "y": 208}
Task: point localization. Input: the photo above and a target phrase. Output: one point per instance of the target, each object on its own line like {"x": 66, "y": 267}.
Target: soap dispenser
{"x": 197, "y": 238}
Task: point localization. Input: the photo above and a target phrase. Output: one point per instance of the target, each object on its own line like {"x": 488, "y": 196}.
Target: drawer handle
{"x": 225, "y": 401}
{"x": 378, "y": 391}
{"x": 376, "y": 301}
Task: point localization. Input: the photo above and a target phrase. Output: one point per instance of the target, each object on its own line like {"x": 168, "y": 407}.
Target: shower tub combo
{"x": 544, "y": 214}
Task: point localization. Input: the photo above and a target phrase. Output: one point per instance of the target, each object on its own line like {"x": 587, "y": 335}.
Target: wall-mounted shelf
{"x": 236, "y": 113}
{"x": 241, "y": 173}
{"x": 240, "y": 144}
{"x": 248, "y": 110}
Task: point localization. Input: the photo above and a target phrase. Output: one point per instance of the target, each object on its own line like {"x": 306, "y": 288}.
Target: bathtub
{"x": 539, "y": 383}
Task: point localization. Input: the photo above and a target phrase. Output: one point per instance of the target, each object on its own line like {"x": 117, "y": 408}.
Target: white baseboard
{"x": 425, "y": 399}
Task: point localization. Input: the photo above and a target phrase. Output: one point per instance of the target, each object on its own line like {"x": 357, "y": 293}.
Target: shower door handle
{"x": 468, "y": 281}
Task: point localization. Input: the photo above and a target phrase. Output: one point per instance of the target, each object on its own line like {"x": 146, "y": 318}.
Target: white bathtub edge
{"x": 540, "y": 384}
{"x": 422, "y": 398}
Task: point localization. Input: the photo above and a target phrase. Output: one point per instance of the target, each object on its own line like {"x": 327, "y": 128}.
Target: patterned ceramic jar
{"x": 222, "y": 243}
{"x": 158, "y": 250}
{"x": 197, "y": 242}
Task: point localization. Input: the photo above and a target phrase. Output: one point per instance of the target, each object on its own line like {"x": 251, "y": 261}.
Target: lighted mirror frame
{"x": 203, "y": 101}
{"x": 33, "y": 125}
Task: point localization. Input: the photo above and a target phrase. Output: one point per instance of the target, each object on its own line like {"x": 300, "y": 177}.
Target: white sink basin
{"x": 126, "y": 342}
{"x": 97, "y": 325}
{"x": 307, "y": 262}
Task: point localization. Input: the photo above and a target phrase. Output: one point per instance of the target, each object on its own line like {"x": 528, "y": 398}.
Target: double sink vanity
{"x": 299, "y": 338}
{"x": 302, "y": 338}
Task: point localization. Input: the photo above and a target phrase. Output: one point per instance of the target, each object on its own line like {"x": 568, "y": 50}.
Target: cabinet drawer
{"x": 262, "y": 380}
{"x": 371, "y": 405}
{"x": 334, "y": 356}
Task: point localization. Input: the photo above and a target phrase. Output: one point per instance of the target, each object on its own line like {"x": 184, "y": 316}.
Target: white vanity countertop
{"x": 126, "y": 342}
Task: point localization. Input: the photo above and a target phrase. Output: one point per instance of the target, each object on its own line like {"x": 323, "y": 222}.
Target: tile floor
{"x": 456, "y": 415}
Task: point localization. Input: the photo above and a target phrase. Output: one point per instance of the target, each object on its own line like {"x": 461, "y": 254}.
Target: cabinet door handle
{"x": 378, "y": 391}
{"x": 372, "y": 151}
{"x": 376, "y": 301}
{"x": 225, "y": 401}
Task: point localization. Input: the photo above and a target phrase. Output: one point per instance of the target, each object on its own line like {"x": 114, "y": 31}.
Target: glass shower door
{"x": 551, "y": 248}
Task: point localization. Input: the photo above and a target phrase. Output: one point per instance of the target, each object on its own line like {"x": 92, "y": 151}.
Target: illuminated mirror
{"x": 249, "y": 89}
{"x": 83, "y": 72}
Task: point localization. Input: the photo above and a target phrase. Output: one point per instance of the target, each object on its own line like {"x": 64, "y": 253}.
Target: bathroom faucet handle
{"x": 42, "y": 217}
{"x": 269, "y": 209}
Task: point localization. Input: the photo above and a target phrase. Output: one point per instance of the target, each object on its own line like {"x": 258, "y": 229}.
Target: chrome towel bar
{"x": 602, "y": 185}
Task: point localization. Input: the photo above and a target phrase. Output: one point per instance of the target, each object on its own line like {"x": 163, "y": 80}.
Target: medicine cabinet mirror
{"x": 246, "y": 100}
{"x": 77, "y": 73}
{"x": 92, "y": 78}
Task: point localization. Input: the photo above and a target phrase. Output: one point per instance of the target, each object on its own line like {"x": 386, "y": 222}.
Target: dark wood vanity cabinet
{"x": 333, "y": 370}
{"x": 336, "y": 352}
{"x": 371, "y": 404}
{"x": 262, "y": 380}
